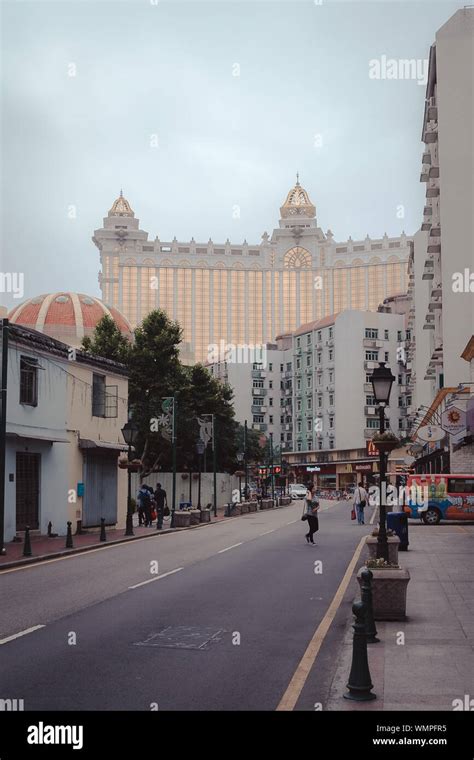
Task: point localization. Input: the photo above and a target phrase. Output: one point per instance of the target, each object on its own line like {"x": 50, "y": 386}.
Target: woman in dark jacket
{"x": 312, "y": 507}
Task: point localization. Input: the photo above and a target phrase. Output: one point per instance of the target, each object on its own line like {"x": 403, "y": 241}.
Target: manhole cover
{"x": 182, "y": 637}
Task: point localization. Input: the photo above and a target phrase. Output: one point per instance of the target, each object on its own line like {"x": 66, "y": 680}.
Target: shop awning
{"x": 89, "y": 443}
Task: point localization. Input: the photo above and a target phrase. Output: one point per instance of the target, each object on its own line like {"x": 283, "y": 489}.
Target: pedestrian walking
{"x": 146, "y": 504}
{"x": 142, "y": 495}
{"x": 161, "y": 502}
{"x": 360, "y": 502}
{"x": 311, "y": 509}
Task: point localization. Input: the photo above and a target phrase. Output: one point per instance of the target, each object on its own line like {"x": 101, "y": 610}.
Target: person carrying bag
{"x": 359, "y": 503}
{"x": 311, "y": 514}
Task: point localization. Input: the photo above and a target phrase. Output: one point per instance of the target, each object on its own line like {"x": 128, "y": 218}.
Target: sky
{"x": 203, "y": 112}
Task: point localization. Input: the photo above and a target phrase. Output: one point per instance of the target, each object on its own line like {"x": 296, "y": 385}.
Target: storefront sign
{"x": 362, "y": 467}
{"x": 453, "y": 420}
{"x": 370, "y": 449}
{"x": 313, "y": 468}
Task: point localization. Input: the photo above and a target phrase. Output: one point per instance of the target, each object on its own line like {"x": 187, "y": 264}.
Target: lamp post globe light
{"x": 130, "y": 433}
{"x": 382, "y": 380}
{"x": 200, "y": 446}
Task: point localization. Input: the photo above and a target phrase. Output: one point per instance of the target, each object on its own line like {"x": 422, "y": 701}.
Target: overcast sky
{"x": 163, "y": 72}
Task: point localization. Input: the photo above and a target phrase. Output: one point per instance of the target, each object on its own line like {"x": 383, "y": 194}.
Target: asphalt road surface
{"x": 222, "y": 625}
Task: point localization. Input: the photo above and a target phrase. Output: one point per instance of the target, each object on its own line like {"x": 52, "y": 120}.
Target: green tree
{"x": 107, "y": 341}
{"x": 155, "y": 372}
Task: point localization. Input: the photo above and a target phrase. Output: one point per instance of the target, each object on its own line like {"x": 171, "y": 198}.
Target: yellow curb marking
{"x": 295, "y": 687}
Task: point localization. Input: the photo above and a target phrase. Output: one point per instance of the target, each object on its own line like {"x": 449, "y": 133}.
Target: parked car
{"x": 439, "y": 497}
{"x": 297, "y": 491}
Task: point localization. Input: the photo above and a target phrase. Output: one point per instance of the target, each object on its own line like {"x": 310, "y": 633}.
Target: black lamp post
{"x": 272, "y": 474}
{"x": 129, "y": 432}
{"x": 240, "y": 459}
{"x": 382, "y": 380}
{"x": 200, "y": 446}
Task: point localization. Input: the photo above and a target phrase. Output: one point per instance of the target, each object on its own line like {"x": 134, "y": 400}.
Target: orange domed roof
{"x": 66, "y": 316}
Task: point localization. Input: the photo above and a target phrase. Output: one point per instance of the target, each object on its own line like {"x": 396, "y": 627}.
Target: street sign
{"x": 431, "y": 433}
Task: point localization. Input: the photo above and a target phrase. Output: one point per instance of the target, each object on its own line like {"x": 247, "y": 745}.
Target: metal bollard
{"x": 69, "y": 544}
{"x": 366, "y": 596}
{"x": 360, "y": 683}
{"x": 27, "y": 545}
{"x": 103, "y": 537}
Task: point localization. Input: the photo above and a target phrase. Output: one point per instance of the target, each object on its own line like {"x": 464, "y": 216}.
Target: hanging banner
{"x": 205, "y": 428}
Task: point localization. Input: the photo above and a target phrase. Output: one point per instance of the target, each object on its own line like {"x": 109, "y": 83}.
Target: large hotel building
{"x": 246, "y": 294}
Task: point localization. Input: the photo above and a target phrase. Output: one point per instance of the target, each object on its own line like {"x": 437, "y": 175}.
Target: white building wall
{"x": 455, "y": 93}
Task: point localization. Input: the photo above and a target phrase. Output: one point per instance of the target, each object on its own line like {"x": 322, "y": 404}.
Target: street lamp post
{"x": 272, "y": 474}
{"x": 382, "y": 380}
{"x": 240, "y": 457}
{"x": 200, "y": 446}
{"x": 129, "y": 432}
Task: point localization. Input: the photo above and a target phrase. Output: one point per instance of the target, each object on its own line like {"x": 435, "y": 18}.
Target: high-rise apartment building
{"x": 245, "y": 294}
{"x": 441, "y": 270}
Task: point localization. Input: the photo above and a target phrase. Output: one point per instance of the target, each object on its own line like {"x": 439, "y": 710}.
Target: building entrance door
{"x": 27, "y": 490}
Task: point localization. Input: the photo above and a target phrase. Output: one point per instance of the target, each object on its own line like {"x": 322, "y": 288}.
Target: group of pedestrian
{"x": 311, "y": 508}
{"x": 152, "y": 505}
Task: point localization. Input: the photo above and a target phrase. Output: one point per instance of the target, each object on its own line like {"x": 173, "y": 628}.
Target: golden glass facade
{"x": 246, "y": 294}
{"x": 245, "y": 306}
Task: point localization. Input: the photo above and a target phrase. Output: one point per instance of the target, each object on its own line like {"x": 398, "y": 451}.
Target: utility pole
{"x": 173, "y": 441}
{"x": 245, "y": 459}
{"x": 214, "y": 464}
{"x": 3, "y": 431}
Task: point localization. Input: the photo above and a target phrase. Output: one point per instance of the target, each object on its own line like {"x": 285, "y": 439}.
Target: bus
{"x": 448, "y": 497}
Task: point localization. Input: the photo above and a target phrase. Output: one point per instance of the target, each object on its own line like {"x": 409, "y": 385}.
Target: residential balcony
{"x": 432, "y": 114}
{"x": 259, "y": 426}
{"x": 426, "y": 158}
{"x": 433, "y": 172}
{"x": 370, "y": 432}
{"x": 330, "y": 388}
{"x": 428, "y": 272}
{"x": 433, "y": 305}
{"x": 258, "y": 373}
{"x": 369, "y": 343}
{"x": 319, "y": 346}
{"x": 288, "y": 391}
{"x": 432, "y": 192}
{"x": 431, "y": 135}
{"x": 436, "y": 291}
{"x": 424, "y": 176}
{"x": 330, "y": 342}
{"x": 370, "y": 410}
{"x": 368, "y": 388}
{"x": 258, "y": 409}
{"x": 372, "y": 364}
{"x": 259, "y": 391}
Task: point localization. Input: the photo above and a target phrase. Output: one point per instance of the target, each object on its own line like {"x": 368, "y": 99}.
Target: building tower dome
{"x": 121, "y": 207}
{"x": 297, "y": 203}
{"x": 66, "y": 316}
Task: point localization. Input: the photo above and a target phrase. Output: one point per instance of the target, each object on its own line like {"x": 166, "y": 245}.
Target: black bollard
{"x": 103, "y": 537}
{"x": 50, "y": 528}
{"x": 69, "y": 544}
{"x": 27, "y": 546}
{"x": 366, "y": 596}
{"x": 359, "y": 683}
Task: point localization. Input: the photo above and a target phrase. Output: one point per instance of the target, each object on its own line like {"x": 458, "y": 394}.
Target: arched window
{"x": 297, "y": 258}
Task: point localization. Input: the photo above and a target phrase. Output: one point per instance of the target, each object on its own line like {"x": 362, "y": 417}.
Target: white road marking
{"x": 158, "y": 578}
{"x": 372, "y": 519}
{"x": 268, "y": 531}
{"x": 230, "y": 547}
{"x": 22, "y": 633}
{"x": 292, "y": 522}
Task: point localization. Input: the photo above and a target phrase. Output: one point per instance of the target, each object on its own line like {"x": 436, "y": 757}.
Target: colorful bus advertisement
{"x": 448, "y": 497}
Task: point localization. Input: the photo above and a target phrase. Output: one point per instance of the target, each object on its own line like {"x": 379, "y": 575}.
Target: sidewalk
{"x": 435, "y": 664}
{"x": 43, "y": 547}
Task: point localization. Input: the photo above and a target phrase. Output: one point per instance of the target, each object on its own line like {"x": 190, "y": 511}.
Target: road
{"x": 222, "y": 626}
